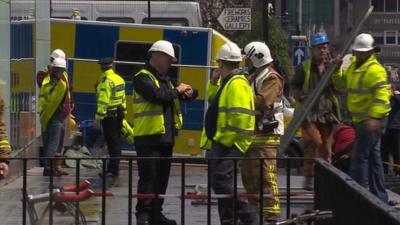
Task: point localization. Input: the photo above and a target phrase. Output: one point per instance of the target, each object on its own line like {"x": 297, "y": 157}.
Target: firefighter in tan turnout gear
{"x": 267, "y": 86}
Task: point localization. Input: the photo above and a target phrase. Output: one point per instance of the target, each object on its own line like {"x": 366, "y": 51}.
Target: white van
{"x": 162, "y": 12}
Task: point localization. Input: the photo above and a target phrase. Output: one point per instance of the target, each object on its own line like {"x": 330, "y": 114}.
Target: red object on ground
{"x": 344, "y": 135}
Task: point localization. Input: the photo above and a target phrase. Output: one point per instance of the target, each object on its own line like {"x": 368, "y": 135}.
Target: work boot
{"x": 270, "y": 221}
{"x": 57, "y": 165}
{"x": 142, "y": 219}
{"x": 47, "y": 171}
{"x": 109, "y": 174}
{"x": 165, "y": 221}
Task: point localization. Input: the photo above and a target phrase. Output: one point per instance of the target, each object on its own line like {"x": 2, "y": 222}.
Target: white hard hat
{"x": 57, "y": 53}
{"x": 363, "y": 43}
{"x": 258, "y": 53}
{"x": 163, "y": 46}
{"x": 230, "y": 52}
{"x": 59, "y": 63}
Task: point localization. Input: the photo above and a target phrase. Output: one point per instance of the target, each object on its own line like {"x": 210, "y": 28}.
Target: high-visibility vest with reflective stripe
{"x": 110, "y": 94}
{"x": 306, "y": 87}
{"x": 51, "y": 96}
{"x": 236, "y": 115}
{"x": 148, "y": 118}
{"x": 368, "y": 90}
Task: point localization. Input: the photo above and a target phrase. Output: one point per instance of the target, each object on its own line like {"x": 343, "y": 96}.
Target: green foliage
{"x": 279, "y": 46}
{"x": 277, "y": 39}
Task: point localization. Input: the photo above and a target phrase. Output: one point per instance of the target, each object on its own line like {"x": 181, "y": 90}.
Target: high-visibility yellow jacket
{"x": 367, "y": 87}
{"x": 51, "y": 96}
{"x": 110, "y": 94}
{"x": 236, "y": 114}
{"x": 148, "y": 117}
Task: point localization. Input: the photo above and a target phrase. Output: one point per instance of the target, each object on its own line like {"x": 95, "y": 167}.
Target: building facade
{"x": 384, "y": 25}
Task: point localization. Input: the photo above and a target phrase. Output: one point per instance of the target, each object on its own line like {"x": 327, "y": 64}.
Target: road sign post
{"x": 299, "y": 54}
{"x": 235, "y": 19}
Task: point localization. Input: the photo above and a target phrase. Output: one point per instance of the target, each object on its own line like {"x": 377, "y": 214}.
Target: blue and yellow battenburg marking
{"x": 22, "y": 77}
{"x": 96, "y": 40}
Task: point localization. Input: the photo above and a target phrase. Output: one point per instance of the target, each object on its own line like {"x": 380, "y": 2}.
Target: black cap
{"x": 106, "y": 61}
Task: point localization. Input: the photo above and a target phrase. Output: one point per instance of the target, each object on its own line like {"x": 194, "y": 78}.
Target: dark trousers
{"x": 153, "y": 178}
{"x": 112, "y": 134}
{"x": 391, "y": 146}
{"x": 222, "y": 173}
{"x": 366, "y": 162}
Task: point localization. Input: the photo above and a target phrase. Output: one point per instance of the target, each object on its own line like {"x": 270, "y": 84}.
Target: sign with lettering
{"x": 235, "y": 19}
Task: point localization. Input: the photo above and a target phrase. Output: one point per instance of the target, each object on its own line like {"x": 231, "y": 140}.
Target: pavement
{"x": 117, "y": 205}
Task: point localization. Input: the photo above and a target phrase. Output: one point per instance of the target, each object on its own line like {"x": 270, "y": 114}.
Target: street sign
{"x": 235, "y": 19}
{"x": 299, "y": 54}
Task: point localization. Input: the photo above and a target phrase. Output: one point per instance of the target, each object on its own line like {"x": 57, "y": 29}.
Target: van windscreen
{"x": 173, "y": 21}
{"x": 116, "y": 19}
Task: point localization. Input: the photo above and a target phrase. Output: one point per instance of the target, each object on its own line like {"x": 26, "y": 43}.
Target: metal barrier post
{"x": 288, "y": 188}
{"x": 103, "y": 196}
{"x": 183, "y": 192}
{"x": 261, "y": 195}
{"x": 209, "y": 192}
{"x": 51, "y": 192}
{"x": 234, "y": 192}
{"x": 24, "y": 192}
{"x": 130, "y": 193}
{"x": 77, "y": 178}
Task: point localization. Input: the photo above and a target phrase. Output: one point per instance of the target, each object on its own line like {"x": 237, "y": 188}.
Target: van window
{"x": 174, "y": 21}
{"x": 116, "y": 19}
{"x": 137, "y": 52}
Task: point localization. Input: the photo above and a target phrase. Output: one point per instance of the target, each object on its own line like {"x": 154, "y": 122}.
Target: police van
{"x": 86, "y": 41}
{"x": 161, "y": 12}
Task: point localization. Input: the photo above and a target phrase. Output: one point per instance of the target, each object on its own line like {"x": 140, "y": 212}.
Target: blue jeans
{"x": 52, "y": 139}
{"x": 366, "y": 161}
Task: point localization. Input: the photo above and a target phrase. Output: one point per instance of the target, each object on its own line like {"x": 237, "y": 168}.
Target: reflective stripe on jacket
{"x": 236, "y": 115}
{"x": 367, "y": 87}
{"x": 110, "y": 94}
{"x": 51, "y": 96}
{"x": 148, "y": 118}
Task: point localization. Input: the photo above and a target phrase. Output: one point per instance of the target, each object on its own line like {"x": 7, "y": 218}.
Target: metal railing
{"x": 57, "y": 196}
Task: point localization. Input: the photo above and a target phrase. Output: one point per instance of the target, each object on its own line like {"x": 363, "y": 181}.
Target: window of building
{"x": 379, "y": 5}
{"x": 386, "y": 5}
{"x": 378, "y": 37}
{"x": 137, "y": 52}
{"x": 391, "y": 5}
{"x": 117, "y": 19}
{"x": 166, "y": 21}
{"x": 391, "y": 38}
